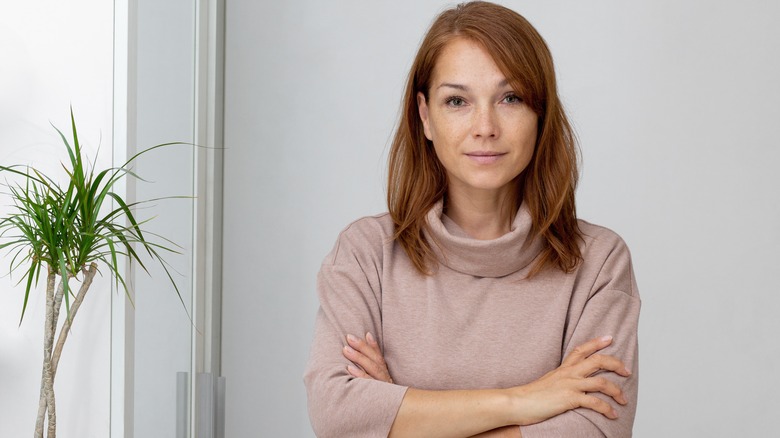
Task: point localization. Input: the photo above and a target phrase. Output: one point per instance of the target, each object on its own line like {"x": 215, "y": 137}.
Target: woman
{"x": 479, "y": 303}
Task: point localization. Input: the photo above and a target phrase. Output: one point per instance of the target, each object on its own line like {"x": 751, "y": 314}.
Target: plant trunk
{"x": 89, "y": 275}
{"x": 51, "y": 432}
{"x": 51, "y": 358}
{"x": 47, "y": 387}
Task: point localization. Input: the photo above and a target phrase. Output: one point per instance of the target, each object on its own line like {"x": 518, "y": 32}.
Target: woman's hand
{"x": 570, "y": 385}
{"x": 365, "y": 353}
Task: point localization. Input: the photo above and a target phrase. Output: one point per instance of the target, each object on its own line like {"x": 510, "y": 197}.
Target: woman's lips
{"x": 485, "y": 157}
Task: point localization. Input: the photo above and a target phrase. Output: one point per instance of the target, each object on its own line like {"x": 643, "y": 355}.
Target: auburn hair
{"x": 416, "y": 177}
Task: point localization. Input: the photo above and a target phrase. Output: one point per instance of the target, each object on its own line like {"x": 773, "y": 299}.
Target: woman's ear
{"x": 423, "y": 108}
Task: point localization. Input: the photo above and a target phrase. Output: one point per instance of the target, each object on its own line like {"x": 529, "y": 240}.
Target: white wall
{"x": 55, "y": 54}
{"x": 675, "y": 106}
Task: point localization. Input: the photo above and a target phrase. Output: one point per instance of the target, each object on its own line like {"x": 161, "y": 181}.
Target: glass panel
{"x": 165, "y": 108}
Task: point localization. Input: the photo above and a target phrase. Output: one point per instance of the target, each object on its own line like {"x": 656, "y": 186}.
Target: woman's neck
{"x": 483, "y": 215}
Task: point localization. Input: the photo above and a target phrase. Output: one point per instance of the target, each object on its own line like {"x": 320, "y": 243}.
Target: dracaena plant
{"x": 65, "y": 232}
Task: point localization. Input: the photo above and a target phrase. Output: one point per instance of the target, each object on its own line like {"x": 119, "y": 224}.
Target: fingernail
{"x": 614, "y": 414}
{"x": 628, "y": 372}
{"x": 606, "y": 338}
{"x": 370, "y": 337}
{"x": 349, "y": 349}
{"x": 352, "y": 370}
{"x": 352, "y": 338}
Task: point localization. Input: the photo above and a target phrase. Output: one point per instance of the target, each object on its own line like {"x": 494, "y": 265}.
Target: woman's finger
{"x": 359, "y": 359}
{"x": 598, "y": 405}
{"x": 357, "y": 372}
{"x": 600, "y": 362}
{"x": 372, "y": 342}
{"x": 368, "y": 347}
{"x": 372, "y": 368}
{"x": 582, "y": 352}
{"x": 604, "y": 386}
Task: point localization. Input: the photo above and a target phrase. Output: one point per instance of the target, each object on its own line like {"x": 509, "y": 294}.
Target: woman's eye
{"x": 512, "y": 98}
{"x": 456, "y": 101}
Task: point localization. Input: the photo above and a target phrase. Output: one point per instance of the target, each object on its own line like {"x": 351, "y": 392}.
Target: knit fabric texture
{"x": 476, "y": 322}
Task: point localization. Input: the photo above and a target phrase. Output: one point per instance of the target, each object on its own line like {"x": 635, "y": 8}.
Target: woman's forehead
{"x": 465, "y": 64}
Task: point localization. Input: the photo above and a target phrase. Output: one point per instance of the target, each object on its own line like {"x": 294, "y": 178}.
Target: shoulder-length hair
{"x": 416, "y": 178}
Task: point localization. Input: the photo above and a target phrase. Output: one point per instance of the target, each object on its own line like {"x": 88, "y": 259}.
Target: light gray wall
{"x": 675, "y": 106}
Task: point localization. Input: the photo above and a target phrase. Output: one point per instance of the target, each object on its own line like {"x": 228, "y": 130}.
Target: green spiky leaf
{"x": 68, "y": 226}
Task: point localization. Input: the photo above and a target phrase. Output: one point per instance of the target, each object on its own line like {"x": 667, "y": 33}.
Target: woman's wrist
{"x": 515, "y": 398}
{"x": 505, "y": 406}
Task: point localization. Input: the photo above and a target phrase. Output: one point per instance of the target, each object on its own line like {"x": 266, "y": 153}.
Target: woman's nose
{"x": 485, "y": 124}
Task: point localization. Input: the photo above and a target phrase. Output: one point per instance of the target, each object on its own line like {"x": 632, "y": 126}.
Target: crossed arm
{"x": 497, "y": 412}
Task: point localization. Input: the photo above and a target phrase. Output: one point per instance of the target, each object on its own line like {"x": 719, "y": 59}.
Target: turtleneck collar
{"x": 482, "y": 258}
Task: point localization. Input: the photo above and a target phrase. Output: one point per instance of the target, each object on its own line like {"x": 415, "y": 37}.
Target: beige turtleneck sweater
{"x": 476, "y": 323}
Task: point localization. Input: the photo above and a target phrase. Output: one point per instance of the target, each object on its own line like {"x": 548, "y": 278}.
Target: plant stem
{"x": 41, "y": 406}
{"x": 52, "y": 409}
{"x": 89, "y": 275}
{"x": 57, "y": 306}
{"x": 47, "y": 389}
{"x": 53, "y": 305}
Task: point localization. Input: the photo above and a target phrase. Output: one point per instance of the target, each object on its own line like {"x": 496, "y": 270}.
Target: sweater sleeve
{"x": 612, "y": 308}
{"x": 349, "y": 290}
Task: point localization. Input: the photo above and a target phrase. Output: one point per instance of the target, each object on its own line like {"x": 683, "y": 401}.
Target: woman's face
{"x": 482, "y": 131}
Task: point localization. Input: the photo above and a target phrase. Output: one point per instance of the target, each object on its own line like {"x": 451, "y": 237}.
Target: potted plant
{"x": 65, "y": 233}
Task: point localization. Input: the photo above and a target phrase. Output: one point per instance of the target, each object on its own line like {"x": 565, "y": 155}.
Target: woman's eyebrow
{"x": 501, "y": 84}
{"x": 456, "y": 86}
